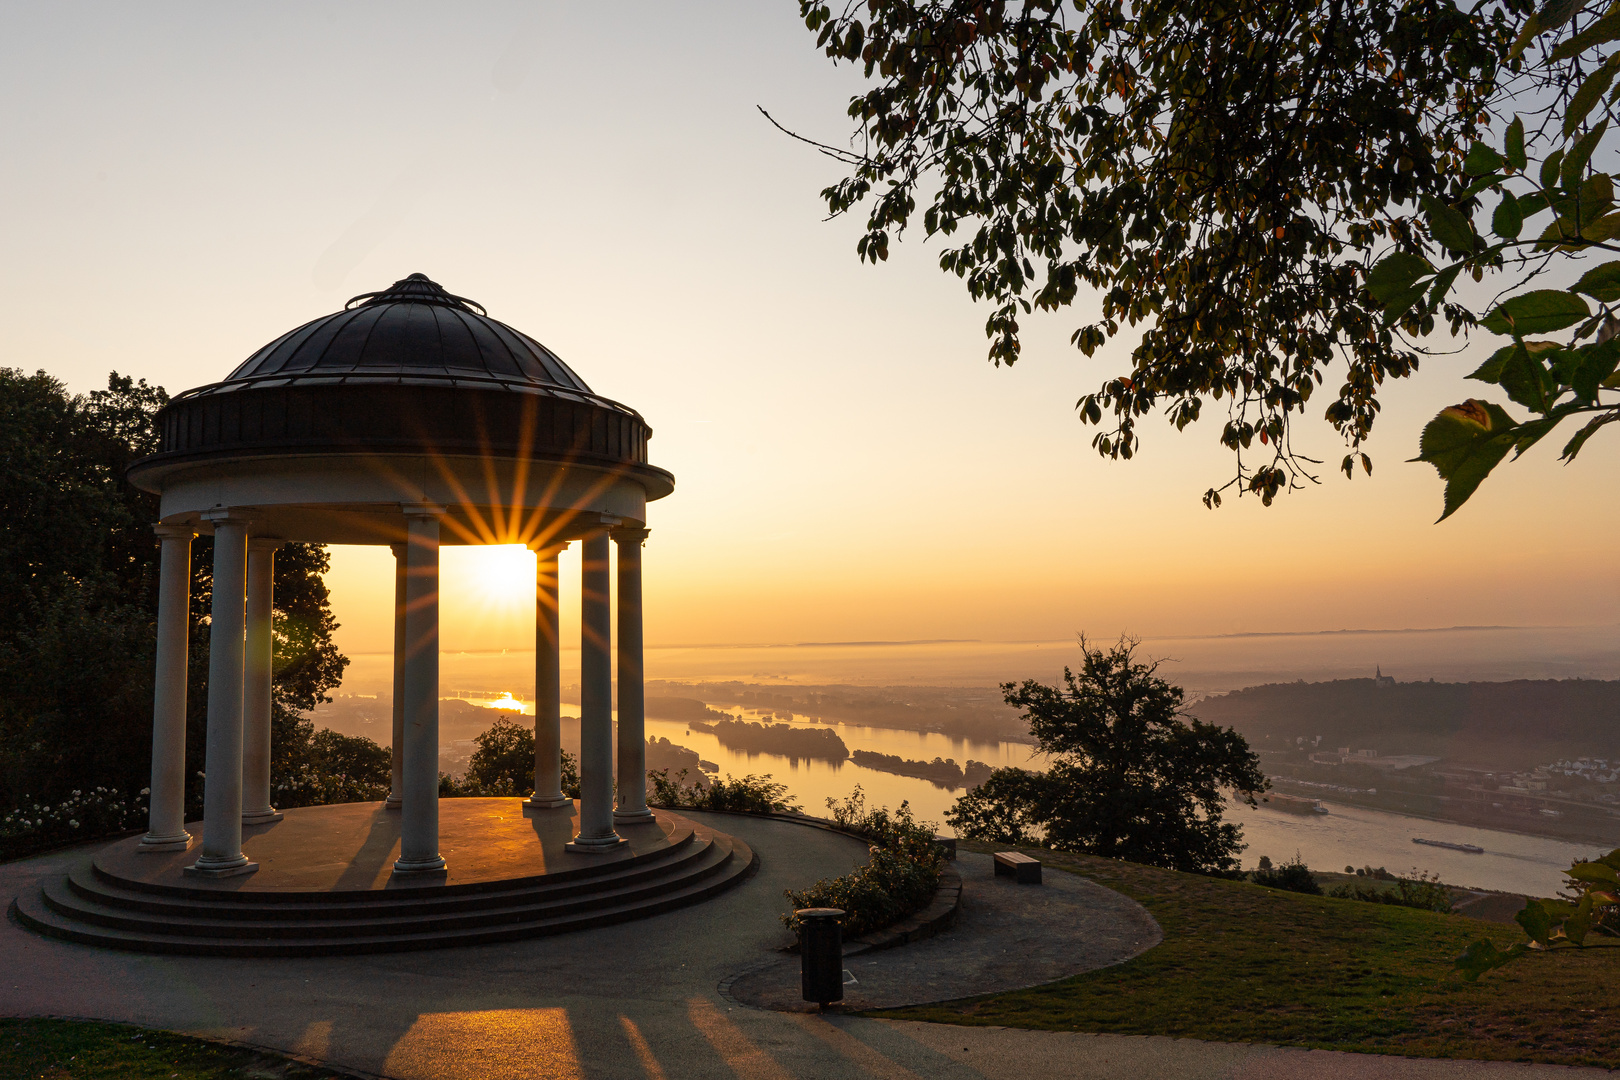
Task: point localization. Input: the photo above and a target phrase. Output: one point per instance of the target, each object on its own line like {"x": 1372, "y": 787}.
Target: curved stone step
{"x": 682, "y": 834}
{"x": 93, "y": 884}
{"x": 738, "y": 862}
{"x": 220, "y": 921}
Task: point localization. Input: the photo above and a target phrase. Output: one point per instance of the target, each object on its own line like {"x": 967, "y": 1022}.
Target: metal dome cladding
{"x": 410, "y": 369}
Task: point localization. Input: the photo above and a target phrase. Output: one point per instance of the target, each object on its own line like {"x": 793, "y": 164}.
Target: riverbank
{"x": 1586, "y": 830}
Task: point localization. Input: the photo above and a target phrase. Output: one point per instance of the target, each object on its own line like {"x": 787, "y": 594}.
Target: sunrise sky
{"x": 182, "y": 182}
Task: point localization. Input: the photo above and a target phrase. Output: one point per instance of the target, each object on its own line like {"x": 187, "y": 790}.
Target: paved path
{"x": 1007, "y": 936}
{"x": 637, "y": 1001}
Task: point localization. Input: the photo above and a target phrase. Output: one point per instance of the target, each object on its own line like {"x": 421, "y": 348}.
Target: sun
{"x": 498, "y": 576}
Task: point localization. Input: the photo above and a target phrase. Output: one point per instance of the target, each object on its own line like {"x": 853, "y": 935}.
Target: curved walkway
{"x": 1007, "y": 936}
{"x": 631, "y": 1001}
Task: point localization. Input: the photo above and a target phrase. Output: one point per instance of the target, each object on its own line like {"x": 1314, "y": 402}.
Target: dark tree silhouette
{"x": 1131, "y": 777}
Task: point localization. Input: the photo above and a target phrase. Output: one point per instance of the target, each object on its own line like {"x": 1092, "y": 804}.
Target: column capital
{"x": 542, "y": 546}
{"x": 226, "y": 515}
{"x": 264, "y": 543}
{"x": 422, "y": 509}
{"x": 399, "y": 550}
{"x": 628, "y": 535}
{"x": 175, "y": 532}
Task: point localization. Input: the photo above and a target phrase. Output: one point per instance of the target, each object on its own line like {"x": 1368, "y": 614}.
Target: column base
{"x": 152, "y": 845}
{"x": 223, "y": 869}
{"x": 596, "y": 845}
{"x": 393, "y": 802}
{"x": 546, "y": 802}
{"x": 261, "y": 817}
{"x": 633, "y": 817}
{"x": 421, "y": 868}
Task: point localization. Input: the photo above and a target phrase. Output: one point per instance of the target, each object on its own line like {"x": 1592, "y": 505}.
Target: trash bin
{"x": 821, "y": 954}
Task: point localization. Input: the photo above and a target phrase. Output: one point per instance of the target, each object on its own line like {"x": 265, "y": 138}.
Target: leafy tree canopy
{"x": 1132, "y": 776}
{"x": 1550, "y": 181}
{"x": 1219, "y": 173}
{"x": 78, "y": 600}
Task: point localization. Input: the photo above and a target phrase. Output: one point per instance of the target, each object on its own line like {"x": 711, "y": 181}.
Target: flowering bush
{"x": 901, "y": 875}
{"x": 85, "y": 815}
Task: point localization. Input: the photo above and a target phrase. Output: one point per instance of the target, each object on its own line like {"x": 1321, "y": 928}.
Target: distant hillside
{"x": 1508, "y": 725}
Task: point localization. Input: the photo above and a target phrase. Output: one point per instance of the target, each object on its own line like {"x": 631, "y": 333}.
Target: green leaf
{"x": 1556, "y": 13}
{"x": 1491, "y": 370}
{"x": 1575, "y": 164}
{"x": 1513, "y": 145}
{"x": 1606, "y": 29}
{"x": 1536, "y": 920}
{"x": 1601, "y": 282}
{"x": 1483, "y": 956}
{"x": 1574, "y": 445}
{"x": 1448, "y": 225}
{"x": 1539, "y": 311}
{"x": 1442, "y": 284}
{"x": 1563, "y": 233}
{"x": 1464, "y": 443}
{"x": 1549, "y": 168}
{"x": 1527, "y": 34}
{"x": 1591, "y": 89}
{"x": 1594, "y": 872}
{"x": 1394, "y": 274}
{"x": 1482, "y": 159}
{"x": 1508, "y": 221}
{"x": 1527, "y": 381}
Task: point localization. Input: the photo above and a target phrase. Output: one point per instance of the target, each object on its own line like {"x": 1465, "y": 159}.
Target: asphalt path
{"x": 637, "y": 1000}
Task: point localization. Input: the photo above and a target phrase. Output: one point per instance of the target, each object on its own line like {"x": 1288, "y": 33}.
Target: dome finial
{"x": 416, "y": 289}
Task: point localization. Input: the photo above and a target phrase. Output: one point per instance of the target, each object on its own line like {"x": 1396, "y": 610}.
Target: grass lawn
{"x": 85, "y": 1050}
{"x": 1240, "y": 963}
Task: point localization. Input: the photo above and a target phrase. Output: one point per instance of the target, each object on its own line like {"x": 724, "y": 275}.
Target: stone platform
{"x": 325, "y": 885}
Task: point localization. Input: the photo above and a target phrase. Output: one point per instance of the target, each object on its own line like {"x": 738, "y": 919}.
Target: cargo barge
{"x": 1472, "y": 849}
{"x": 1293, "y": 804}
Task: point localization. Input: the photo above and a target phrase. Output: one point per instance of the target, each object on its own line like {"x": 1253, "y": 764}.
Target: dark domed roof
{"x": 413, "y": 329}
{"x": 411, "y": 369}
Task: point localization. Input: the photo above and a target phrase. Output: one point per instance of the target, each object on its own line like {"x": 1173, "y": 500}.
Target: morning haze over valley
{"x": 810, "y": 539}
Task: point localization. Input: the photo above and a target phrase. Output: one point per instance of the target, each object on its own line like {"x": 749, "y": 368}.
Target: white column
{"x": 166, "y": 824}
{"x": 256, "y": 672}
{"x": 548, "y": 792}
{"x": 222, "y": 783}
{"x": 632, "y": 806}
{"x": 596, "y": 703}
{"x": 419, "y": 824}
{"x": 396, "y": 789}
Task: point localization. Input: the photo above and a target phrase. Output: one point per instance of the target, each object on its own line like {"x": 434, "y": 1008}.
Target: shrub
{"x": 1293, "y": 876}
{"x": 84, "y": 815}
{"x": 503, "y": 766}
{"x": 750, "y": 794}
{"x": 901, "y": 875}
{"x": 335, "y": 768}
{"x": 1421, "y": 891}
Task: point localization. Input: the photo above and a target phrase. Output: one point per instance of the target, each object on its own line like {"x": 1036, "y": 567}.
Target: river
{"x": 1346, "y": 836}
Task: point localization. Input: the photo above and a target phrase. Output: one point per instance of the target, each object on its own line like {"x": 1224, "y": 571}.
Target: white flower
{"x": 75, "y": 824}
{"x": 146, "y": 791}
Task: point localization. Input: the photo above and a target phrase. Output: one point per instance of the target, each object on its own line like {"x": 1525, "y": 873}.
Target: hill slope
{"x": 1509, "y": 725}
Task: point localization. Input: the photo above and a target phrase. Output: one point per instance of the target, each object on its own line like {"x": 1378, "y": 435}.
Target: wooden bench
{"x": 1014, "y": 864}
